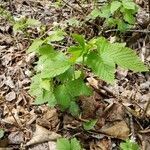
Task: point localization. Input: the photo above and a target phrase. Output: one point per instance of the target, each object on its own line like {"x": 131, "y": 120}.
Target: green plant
{"x": 60, "y": 76}
{"x": 1, "y": 133}
{"x": 6, "y": 15}
{"x": 65, "y": 144}
{"x": 88, "y": 125}
{"x": 129, "y": 145}
{"x": 120, "y": 13}
{"x": 24, "y": 23}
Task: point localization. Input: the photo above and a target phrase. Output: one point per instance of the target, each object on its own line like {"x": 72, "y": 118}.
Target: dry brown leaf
{"x": 16, "y": 137}
{"x": 104, "y": 144}
{"x": 42, "y": 135}
{"x": 10, "y": 96}
{"x": 118, "y": 130}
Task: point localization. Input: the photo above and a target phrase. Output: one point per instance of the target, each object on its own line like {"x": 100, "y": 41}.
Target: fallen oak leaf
{"x": 42, "y": 135}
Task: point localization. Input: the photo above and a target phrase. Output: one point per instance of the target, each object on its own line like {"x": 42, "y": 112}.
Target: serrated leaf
{"x": 45, "y": 84}
{"x": 72, "y": 87}
{"x": 80, "y": 39}
{"x": 46, "y": 96}
{"x": 35, "y": 45}
{"x": 128, "y": 17}
{"x": 128, "y": 4}
{"x": 114, "y": 6}
{"x": 102, "y": 67}
{"x": 89, "y": 124}
{"x": 105, "y": 12}
{"x": 46, "y": 49}
{"x": 129, "y": 145}
{"x": 76, "y": 52}
{"x": 75, "y": 144}
{"x": 94, "y": 13}
{"x": 67, "y": 75}
{"x": 125, "y": 57}
{"x": 62, "y": 96}
{"x": 35, "y": 88}
{"x": 53, "y": 66}
{"x": 74, "y": 109}
{"x": 63, "y": 144}
{"x": 56, "y": 35}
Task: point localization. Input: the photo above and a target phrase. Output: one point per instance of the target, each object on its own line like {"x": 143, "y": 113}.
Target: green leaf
{"x": 53, "y": 66}
{"x": 32, "y": 22}
{"x": 73, "y": 22}
{"x": 35, "y": 45}
{"x": 74, "y": 109}
{"x": 103, "y": 67}
{"x": 94, "y": 13}
{"x": 72, "y": 87}
{"x": 80, "y": 39}
{"x": 129, "y": 145}
{"x": 62, "y": 96}
{"x": 45, "y": 84}
{"x": 128, "y": 17}
{"x": 115, "y": 6}
{"x": 89, "y": 124}
{"x": 67, "y": 92}
{"x": 63, "y": 144}
{"x": 35, "y": 88}
{"x": 46, "y": 49}
{"x": 56, "y": 35}
{"x": 105, "y": 12}
{"x": 67, "y": 75}
{"x": 125, "y": 57}
{"x": 122, "y": 26}
{"x": 1, "y": 133}
{"x": 128, "y": 4}
{"x": 75, "y": 144}
{"x": 76, "y": 52}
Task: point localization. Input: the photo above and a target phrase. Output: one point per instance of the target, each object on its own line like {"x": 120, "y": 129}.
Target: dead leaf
{"x": 16, "y": 137}
{"x": 104, "y": 144}
{"x": 42, "y": 135}
{"x": 10, "y": 96}
{"x": 118, "y": 130}
{"x": 43, "y": 146}
{"x": 52, "y": 145}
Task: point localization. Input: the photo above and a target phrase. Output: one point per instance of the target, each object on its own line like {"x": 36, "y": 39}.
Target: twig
{"x": 146, "y": 108}
{"x": 140, "y": 31}
{"x": 67, "y": 4}
{"x": 13, "y": 116}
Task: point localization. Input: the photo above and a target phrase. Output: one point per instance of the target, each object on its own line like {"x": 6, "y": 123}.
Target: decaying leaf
{"x": 42, "y": 135}
{"x": 118, "y": 130}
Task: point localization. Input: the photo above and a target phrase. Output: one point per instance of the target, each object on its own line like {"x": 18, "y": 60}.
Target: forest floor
{"x": 122, "y": 110}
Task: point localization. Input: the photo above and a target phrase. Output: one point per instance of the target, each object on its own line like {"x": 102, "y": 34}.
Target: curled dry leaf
{"x": 42, "y": 135}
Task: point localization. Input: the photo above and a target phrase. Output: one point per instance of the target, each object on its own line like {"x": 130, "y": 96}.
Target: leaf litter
{"x": 27, "y": 124}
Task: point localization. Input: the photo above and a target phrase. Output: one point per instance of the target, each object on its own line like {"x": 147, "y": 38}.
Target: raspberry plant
{"x": 59, "y": 78}
{"x": 120, "y": 13}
